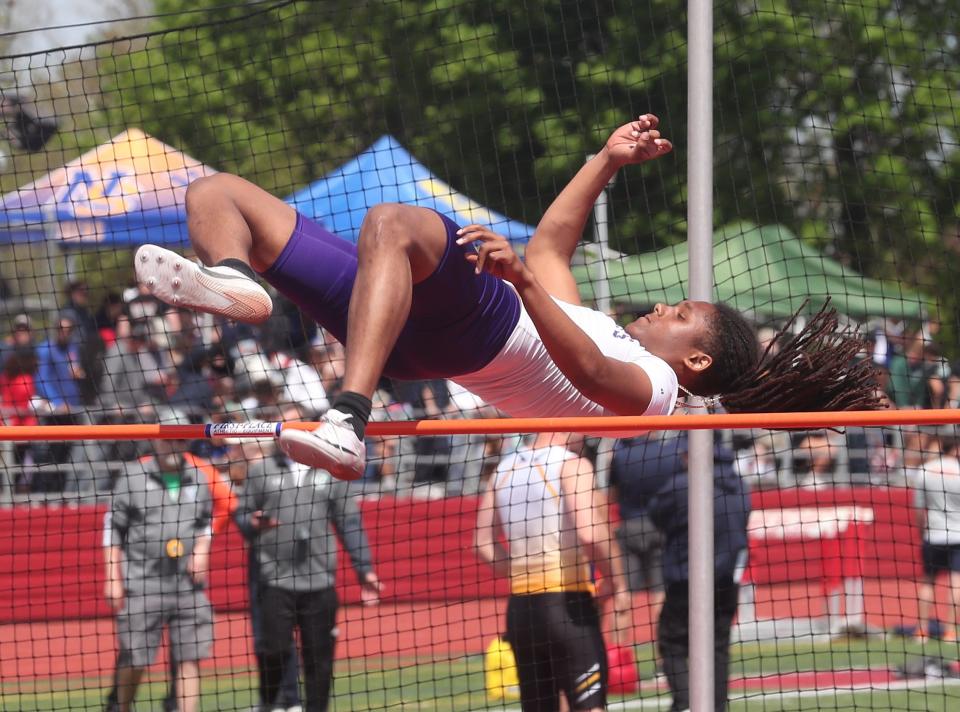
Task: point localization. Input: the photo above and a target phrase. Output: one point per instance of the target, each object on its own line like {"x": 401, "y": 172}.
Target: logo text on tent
{"x": 91, "y": 193}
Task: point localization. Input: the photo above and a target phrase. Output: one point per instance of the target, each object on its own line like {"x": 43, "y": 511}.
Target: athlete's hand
{"x": 494, "y": 254}
{"x": 603, "y": 589}
{"x": 370, "y": 589}
{"x": 622, "y": 603}
{"x": 113, "y": 592}
{"x": 261, "y": 522}
{"x": 637, "y": 142}
{"x": 622, "y": 626}
{"x": 199, "y": 567}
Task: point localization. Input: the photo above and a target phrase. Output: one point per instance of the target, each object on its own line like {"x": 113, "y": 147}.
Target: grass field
{"x": 458, "y": 685}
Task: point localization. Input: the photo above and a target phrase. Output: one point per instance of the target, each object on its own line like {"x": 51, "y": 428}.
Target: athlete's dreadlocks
{"x": 818, "y": 369}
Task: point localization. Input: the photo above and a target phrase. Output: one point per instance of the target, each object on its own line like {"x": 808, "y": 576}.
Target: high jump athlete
{"x": 419, "y": 297}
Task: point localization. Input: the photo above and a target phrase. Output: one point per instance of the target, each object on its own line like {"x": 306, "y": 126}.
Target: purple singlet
{"x": 458, "y": 320}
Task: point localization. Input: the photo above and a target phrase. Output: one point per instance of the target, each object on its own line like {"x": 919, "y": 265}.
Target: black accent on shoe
{"x": 357, "y": 406}
{"x": 238, "y": 265}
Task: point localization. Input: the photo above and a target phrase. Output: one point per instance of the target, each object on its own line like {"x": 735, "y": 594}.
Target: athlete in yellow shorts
{"x": 544, "y": 502}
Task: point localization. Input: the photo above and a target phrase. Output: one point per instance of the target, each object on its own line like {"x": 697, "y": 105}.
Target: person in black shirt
{"x": 656, "y": 468}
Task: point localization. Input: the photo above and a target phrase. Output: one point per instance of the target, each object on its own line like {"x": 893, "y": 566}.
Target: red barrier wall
{"x": 888, "y": 542}
{"x": 52, "y": 565}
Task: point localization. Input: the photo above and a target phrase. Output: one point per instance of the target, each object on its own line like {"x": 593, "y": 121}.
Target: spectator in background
{"x": 262, "y": 390}
{"x": 157, "y": 554}
{"x": 815, "y": 459}
{"x": 22, "y": 127}
{"x": 59, "y": 370}
{"x": 87, "y": 338}
{"x": 221, "y": 365}
{"x": 110, "y": 311}
{"x": 18, "y": 396}
{"x": 141, "y": 304}
{"x": 301, "y": 381}
{"x": 640, "y": 540}
{"x": 289, "y": 517}
{"x": 385, "y": 450}
{"x": 188, "y": 384}
{"x": 128, "y": 365}
{"x": 293, "y": 329}
{"x": 953, "y": 386}
{"x": 256, "y": 459}
{"x": 430, "y": 400}
{"x": 193, "y": 386}
{"x": 936, "y": 485}
{"x": 327, "y": 356}
{"x": 18, "y": 388}
{"x": 19, "y": 339}
{"x": 756, "y": 459}
{"x": 911, "y": 374}
{"x": 659, "y": 474}
{"x": 104, "y": 456}
{"x": 937, "y": 370}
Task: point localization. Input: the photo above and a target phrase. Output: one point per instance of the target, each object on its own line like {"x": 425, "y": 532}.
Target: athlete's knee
{"x": 209, "y": 190}
{"x": 389, "y": 221}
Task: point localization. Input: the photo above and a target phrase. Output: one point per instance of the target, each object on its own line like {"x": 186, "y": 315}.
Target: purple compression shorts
{"x": 458, "y": 320}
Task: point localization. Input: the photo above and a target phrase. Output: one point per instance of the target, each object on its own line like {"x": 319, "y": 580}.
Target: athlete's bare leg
{"x": 188, "y": 691}
{"x": 399, "y": 246}
{"x": 231, "y": 218}
{"x": 128, "y": 680}
{"x": 233, "y": 226}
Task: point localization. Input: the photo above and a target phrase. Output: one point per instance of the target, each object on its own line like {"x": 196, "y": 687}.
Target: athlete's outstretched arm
{"x": 619, "y": 386}
{"x": 553, "y": 243}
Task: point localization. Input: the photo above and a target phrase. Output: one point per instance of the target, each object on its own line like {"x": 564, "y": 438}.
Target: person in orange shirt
{"x": 225, "y": 501}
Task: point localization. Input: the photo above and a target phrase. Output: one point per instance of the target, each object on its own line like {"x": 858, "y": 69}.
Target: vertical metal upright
{"x": 700, "y": 241}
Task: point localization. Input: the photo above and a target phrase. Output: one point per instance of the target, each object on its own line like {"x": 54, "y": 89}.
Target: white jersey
{"x": 936, "y": 486}
{"x": 523, "y": 380}
{"x": 541, "y": 534}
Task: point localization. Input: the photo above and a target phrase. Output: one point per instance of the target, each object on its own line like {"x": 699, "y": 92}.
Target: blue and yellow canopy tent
{"x": 387, "y": 172}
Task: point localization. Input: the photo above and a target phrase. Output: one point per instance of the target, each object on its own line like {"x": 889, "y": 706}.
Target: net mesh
{"x": 836, "y": 171}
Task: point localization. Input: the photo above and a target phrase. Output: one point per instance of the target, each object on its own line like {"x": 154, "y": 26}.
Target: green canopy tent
{"x": 767, "y": 271}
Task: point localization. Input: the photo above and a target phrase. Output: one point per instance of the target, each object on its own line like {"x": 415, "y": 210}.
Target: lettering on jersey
{"x": 619, "y": 333}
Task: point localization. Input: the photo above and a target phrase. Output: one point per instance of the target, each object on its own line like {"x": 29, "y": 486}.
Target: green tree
{"x": 838, "y": 120}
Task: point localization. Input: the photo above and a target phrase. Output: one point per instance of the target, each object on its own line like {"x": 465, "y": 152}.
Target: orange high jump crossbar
{"x": 614, "y": 425}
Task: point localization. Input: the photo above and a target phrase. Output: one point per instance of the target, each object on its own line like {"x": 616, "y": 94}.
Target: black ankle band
{"x": 238, "y": 265}
{"x": 356, "y": 405}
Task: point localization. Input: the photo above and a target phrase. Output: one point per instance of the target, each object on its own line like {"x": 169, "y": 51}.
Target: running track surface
{"x": 423, "y": 629}
{"x": 87, "y": 648}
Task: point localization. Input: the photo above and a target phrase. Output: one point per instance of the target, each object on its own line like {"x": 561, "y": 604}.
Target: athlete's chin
{"x": 653, "y": 344}
{"x": 637, "y": 332}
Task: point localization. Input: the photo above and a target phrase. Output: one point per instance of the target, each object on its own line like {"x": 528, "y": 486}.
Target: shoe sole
{"x": 304, "y": 447}
{"x": 178, "y": 281}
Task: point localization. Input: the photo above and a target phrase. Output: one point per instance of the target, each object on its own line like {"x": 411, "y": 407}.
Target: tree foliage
{"x": 839, "y": 120}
